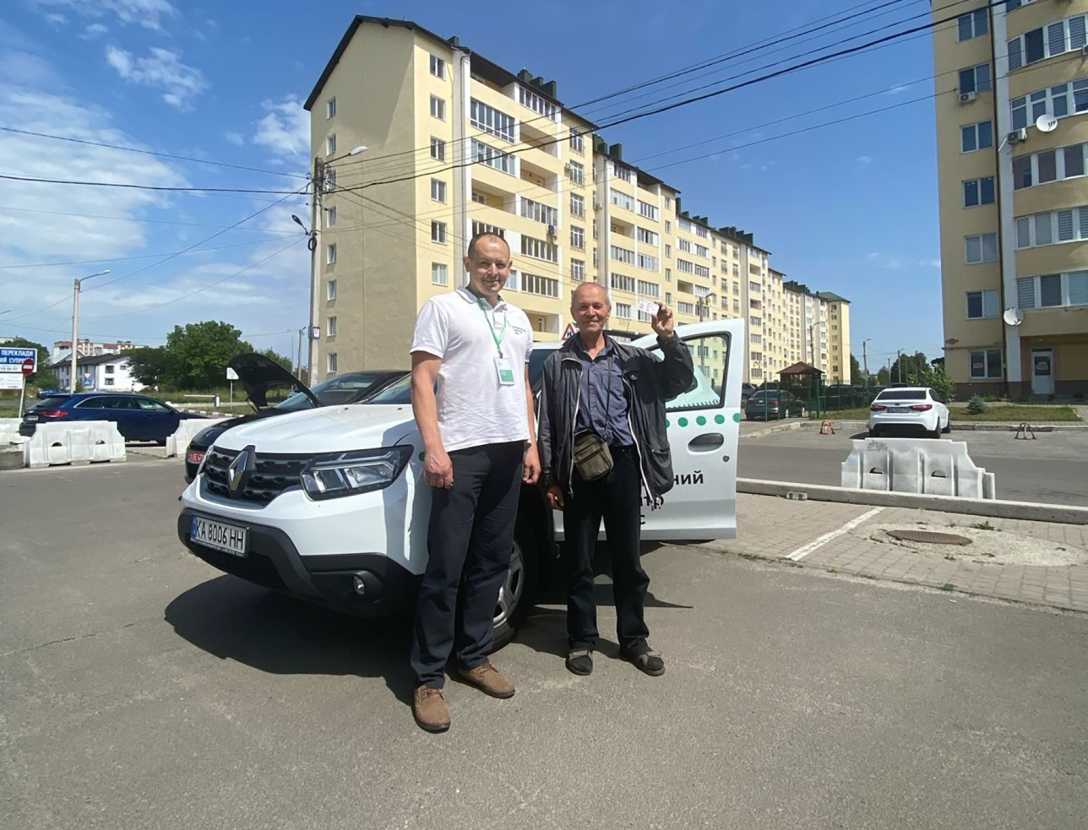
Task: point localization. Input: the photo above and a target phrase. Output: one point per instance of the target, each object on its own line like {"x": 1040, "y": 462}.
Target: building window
{"x": 485, "y": 154}
{"x": 668, "y": 275}
{"x": 981, "y": 248}
{"x": 438, "y": 149}
{"x": 685, "y": 308}
{"x": 976, "y": 136}
{"x": 577, "y": 205}
{"x": 577, "y": 270}
{"x": 438, "y": 190}
{"x": 440, "y": 274}
{"x": 330, "y": 216}
{"x": 974, "y": 24}
{"x": 331, "y": 327}
{"x": 330, "y": 363}
{"x": 978, "y": 192}
{"x": 982, "y": 305}
{"x": 438, "y": 67}
{"x": 330, "y": 290}
{"x": 330, "y": 144}
{"x": 536, "y": 103}
{"x": 647, "y": 210}
{"x": 649, "y": 289}
{"x": 1053, "y": 290}
{"x": 621, "y": 282}
{"x": 1060, "y": 101}
{"x": 668, "y": 251}
{"x": 576, "y": 173}
{"x": 621, "y": 172}
{"x": 576, "y": 143}
{"x": 330, "y": 179}
{"x": 1052, "y": 227}
{"x": 539, "y": 249}
{"x": 330, "y": 254}
{"x": 483, "y": 227}
{"x": 544, "y": 286}
{"x": 330, "y": 108}
{"x": 577, "y": 237}
{"x": 438, "y": 108}
{"x": 491, "y": 121}
{"x": 623, "y": 311}
{"x": 1047, "y": 41}
{"x": 539, "y": 212}
{"x": 1049, "y": 166}
{"x": 647, "y": 262}
{"x": 438, "y": 232}
{"x": 975, "y": 78}
{"x": 621, "y": 199}
{"x": 986, "y": 364}
{"x": 647, "y": 237}
{"x": 622, "y": 254}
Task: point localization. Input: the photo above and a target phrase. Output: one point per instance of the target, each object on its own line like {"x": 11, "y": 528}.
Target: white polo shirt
{"x": 473, "y": 407}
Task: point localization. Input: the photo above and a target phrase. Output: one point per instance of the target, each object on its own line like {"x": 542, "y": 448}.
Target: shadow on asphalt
{"x": 274, "y": 633}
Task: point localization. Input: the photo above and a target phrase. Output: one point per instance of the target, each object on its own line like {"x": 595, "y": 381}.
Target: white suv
{"x": 329, "y": 505}
{"x": 909, "y": 408}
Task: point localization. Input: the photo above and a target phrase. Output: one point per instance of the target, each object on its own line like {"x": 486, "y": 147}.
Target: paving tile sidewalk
{"x": 773, "y": 528}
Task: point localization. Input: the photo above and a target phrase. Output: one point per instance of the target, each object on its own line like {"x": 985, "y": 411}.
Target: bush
{"x": 976, "y": 406}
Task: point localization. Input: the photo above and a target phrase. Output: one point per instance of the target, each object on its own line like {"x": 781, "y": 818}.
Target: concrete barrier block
{"x": 178, "y": 443}
{"x": 913, "y": 465}
{"x": 74, "y": 443}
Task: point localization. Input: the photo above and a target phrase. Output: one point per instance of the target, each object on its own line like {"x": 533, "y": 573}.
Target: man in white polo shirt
{"x": 474, "y": 407}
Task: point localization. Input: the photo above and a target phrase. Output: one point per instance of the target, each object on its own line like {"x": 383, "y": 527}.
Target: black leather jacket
{"x": 647, "y": 384}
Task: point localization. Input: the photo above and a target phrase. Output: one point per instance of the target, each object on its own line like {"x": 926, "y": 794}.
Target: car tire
{"x": 874, "y": 432}
{"x": 516, "y": 593}
{"x": 936, "y": 431}
{"x": 947, "y": 426}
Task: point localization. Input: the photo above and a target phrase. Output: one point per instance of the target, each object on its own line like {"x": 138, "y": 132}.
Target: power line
{"x": 184, "y": 252}
{"x": 133, "y": 219}
{"x": 39, "y": 180}
{"x": 159, "y": 154}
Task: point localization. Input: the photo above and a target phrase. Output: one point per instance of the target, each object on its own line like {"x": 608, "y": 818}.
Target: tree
{"x": 199, "y": 353}
{"x": 150, "y": 366}
{"x": 856, "y": 375}
{"x": 44, "y": 377}
{"x": 283, "y": 360}
{"x": 910, "y": 368}
{"x": 883, "y": 376}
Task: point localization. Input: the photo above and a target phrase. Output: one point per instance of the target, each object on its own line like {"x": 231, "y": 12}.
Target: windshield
{"x": 902, "y": 395}
{"x": 397, "y": 392}
{"x": 772, "y": 395}
{"x": 49, "y": 403}
{"x": 340, "y": 389}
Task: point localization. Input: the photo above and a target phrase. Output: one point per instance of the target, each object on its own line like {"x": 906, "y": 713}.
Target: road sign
{"x": 569, "y": 331}
{"x": 28, "y": 367}
{"x": 12, "y": 359}
{"x": 11, "y": 381}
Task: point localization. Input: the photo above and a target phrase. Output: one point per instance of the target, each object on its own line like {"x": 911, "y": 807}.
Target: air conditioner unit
{"x": 566, "y": 169}
{"x": 968, "y": 97}
{"x": 1018, "y": 136}
{"x": 551, "y": 230}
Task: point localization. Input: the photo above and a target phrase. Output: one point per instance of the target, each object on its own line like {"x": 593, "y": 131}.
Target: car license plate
{"x": 219, "y": 535}
{"x": 30, "y": 417}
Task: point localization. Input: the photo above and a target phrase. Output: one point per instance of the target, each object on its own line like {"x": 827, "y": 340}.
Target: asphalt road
{"x": 1049, "y": 469}
{"x": 140, "y": 688}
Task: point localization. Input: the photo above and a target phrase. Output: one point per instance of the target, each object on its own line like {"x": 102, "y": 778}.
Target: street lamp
{"x": 75, "y": 323}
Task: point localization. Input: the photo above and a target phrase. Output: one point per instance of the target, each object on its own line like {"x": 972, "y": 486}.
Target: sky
{"x": 849, "y": 208}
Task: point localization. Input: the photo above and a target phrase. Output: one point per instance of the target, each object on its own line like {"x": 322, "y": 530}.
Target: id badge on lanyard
{"x": 503, "y": 370}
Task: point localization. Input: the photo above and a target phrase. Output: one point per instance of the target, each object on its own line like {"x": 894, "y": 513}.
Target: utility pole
{"x": 899, "y": 362}
{"x": 315, "y": 217}
{"x": 75, "y": 324}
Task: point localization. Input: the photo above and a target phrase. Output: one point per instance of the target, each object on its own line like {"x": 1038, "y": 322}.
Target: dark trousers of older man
{"x": 469, "y": 541}
{"x": 617, "y": 499}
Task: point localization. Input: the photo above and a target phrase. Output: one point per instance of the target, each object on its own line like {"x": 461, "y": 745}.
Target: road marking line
{"x": 815, "y": 544}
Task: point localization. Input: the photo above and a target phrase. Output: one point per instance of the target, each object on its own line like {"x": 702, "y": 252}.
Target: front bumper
{"x": 273, "y": 561}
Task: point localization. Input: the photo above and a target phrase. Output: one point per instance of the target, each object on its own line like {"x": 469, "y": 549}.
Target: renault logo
{"x": 239, "y": 470}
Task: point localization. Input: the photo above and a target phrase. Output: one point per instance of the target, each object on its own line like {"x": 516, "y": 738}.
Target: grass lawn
{"x": 1011, "y": 413}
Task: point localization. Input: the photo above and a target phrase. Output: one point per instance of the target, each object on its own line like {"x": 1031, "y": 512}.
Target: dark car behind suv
{"x": 259, "y": 375}
{"x": 770, "y": 403}
{"x": 138, "y": 417}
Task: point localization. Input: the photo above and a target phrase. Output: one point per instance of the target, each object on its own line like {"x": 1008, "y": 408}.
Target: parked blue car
{"x": 138, "y": 417}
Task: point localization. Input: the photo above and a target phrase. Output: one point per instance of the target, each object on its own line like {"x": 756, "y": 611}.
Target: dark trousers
{"x": 469, "y": 541}
{"x": 617, "y": 498}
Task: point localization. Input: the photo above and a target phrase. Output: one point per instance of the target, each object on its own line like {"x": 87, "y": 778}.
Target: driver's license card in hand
{"x": 646, "y": 307}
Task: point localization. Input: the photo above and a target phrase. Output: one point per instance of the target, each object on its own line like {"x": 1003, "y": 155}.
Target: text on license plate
{"x": 228, "y": 538}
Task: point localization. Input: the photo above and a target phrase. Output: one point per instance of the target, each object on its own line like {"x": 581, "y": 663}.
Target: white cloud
{"x": 56, "y": 19}
{"x": 160, "y": 69}
{"x": 898, "y": 89}
{"x": 95, "y": 30}
{"x": 237, "y": 139}
{"x": 930, "y": 263}
{"x": 864, "y": 161}
{"x": 285, "y": 128}
{"x": 884, "y": 261}
{"x": 150, "y": 14}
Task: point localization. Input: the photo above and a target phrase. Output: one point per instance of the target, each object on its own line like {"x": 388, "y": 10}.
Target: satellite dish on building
{"x": 1046, "y": 123}
{"x": 1013, "y": 317}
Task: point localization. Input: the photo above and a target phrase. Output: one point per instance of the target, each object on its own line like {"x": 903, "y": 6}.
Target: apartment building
{"x": 456, "y": 144}
{"x": 1012, "y": 144}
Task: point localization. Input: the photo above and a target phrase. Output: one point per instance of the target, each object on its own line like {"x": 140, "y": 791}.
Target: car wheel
{"x": 936, "y": 431}
{"x": 874, "y": 432}
{"x": 947, "y": 426}
{"x": 515, "y": 594}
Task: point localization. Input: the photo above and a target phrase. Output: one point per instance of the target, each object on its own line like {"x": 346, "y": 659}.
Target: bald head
{"x": 592, "y": 292}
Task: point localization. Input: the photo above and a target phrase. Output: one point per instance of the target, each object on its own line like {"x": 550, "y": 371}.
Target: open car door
{"x": 260, "y": 374}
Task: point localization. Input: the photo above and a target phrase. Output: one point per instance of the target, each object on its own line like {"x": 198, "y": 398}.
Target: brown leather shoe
{"x": 489, "y": 680}
{"x": 430, "y": 709}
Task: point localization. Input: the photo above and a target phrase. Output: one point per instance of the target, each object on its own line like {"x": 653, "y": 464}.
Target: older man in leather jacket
{"x": 604, "y": 454}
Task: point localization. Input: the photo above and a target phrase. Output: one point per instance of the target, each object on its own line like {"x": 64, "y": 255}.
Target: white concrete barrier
{"x": 74, "y": 443}
{"x": 178, "y": 443}
{"x": 916, "y": 465}
{"x": 9, "y": 431}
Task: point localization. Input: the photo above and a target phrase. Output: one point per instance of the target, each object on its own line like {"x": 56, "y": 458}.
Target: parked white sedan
{"x": 909, "y": 408}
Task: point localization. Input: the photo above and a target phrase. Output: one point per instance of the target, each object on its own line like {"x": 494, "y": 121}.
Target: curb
{"x": 958, "y": 426}
{"x": 994, "y": 508}
{"x": 759, "y": 433}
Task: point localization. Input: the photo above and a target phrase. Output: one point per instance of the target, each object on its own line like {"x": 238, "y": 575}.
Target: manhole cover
{"x": 930, "y": 537}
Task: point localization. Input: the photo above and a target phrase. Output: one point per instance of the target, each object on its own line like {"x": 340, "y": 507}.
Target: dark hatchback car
{"x": 138, "y": 417}
{"x": 770, "y": 403}
{"x": 260, "y": 375}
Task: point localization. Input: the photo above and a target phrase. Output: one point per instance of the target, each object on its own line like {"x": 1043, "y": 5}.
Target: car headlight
{"x": 351, "y": 473}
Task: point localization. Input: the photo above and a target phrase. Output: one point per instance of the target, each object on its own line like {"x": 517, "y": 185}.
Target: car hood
{"x": 327, "y": 429}
{"x": 258, "y": 374}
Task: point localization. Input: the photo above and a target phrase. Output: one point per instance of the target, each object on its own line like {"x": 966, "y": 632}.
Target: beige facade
{"x": 1014, "y": 197}
{"x": 567, "y": 203}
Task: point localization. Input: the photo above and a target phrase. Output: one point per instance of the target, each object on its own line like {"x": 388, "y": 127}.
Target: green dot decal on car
{"x": 736, "y": 417}
{"x": 683, "y": 422}
{"x": 700, "y": 420}
{"x": 719, "y": 419}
